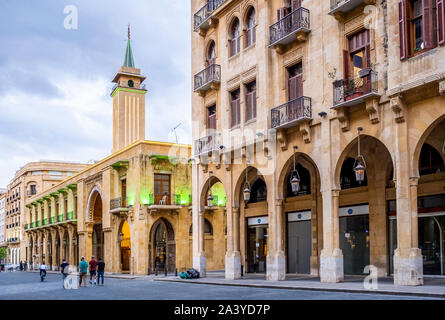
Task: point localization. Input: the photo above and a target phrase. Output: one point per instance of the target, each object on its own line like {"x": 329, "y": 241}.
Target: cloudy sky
{"x": 55, "y": 83}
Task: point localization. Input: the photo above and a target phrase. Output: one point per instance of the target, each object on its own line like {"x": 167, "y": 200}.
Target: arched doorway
{"x": 302, "y": 207}
{"x": 97, "y": 239}
{"x": 363, "y": 205}
{"x": 430, "y": 159}
{"x": 162, "y": 246}
{"x": 125, "y": 247}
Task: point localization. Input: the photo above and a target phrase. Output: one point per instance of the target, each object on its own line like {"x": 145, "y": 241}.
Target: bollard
{"x": 242, "y": 270}
{"x": 156, "y": 271}
{"x": 165, "y": 271}
{"x": 148, "y": 271}
{"x": 176, "y": 272}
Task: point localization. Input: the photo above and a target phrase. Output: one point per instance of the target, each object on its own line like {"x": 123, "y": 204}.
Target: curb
{"x": 270, "y": 286}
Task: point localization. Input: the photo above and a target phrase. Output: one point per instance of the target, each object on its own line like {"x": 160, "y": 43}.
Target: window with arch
{"x": 305, "y": 182}
{"x": 258, "y": 191}
{"x": 250, "y": 27}
{"x": 208, "y": 229}
{"x": 430, "y": 160}
{"x": 347, "y": 175}
{"x": 235, "y": 37}
{"x": 211, "y": 53}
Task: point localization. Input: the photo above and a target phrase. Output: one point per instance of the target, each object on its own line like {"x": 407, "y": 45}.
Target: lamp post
{"x": 210, "y": 196}
{"x": 359, "y": 164}
{"x": 295, "y": 177}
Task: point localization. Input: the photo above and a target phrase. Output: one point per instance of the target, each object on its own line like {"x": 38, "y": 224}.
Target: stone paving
{"x": 433, "y": 286}
{"x": 27, "y": 286}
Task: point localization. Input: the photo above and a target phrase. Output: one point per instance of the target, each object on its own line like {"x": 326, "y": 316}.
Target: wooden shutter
{"x": 440, "y": 12}
{"x": 428, "y": 26}
{"x": 403, "y": 30}
{"x": 296, "y": 4}
{"x": 299, "y": 85}
{"x": 292, "y": 88}
{"x": 346, "y": 65}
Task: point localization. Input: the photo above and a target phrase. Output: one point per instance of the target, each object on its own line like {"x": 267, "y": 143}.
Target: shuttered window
{"x": 211, "y": 120}
{"x": 421, "y": 25}
{"x": 235, "y": 108}
{"x": 251, "y": 101}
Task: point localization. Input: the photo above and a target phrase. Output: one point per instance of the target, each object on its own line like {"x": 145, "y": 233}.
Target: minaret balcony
{"x": 293, "y": 27}
{"x": 128, "y": 86}
{"x": 292, "y": 113}
{"x": 209, "y": 78}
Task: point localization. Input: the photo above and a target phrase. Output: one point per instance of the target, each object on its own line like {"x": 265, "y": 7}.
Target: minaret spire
{"x": 129, "y": 60}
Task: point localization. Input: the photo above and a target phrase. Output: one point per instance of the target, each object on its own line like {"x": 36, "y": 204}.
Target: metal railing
{"x": 207, "y": 144}
{"x": 297, "y": 109}
{"x": 118, "y": 203}
{"x": 172, "y": 199}
{"x": 354, "y": 87}
{"x": 298, "y": 19}
{"x": 210, "y": 74}
{"x": 338, "y": 3}
{"x": 205, "y": 12}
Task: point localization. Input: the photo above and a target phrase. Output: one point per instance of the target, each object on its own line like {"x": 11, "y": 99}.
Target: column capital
{"x": 413, "y": 181}
{"x": 336, "y": 192}
{"x": 235, "y": 210}
{"x": 279, "y": 202}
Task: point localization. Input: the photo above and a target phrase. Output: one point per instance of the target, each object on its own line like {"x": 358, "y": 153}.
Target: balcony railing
{"x": 298, "y": 20}
{"x": 53, "y": 220}
{"x": 70, "y": 215}
{"x": 202, "y": 16}
{"x": 207, "y": 144}
{"x": 346, "y": 5}
{"x": 141, "y": 87}
{"x": 118, "y": 203}
{"x": 171, "y": 199}
{"x": 291, "y": 112}
{"x": 60, "y": 218}
{"x": 204, "y": 79}
{"x": 355, "y": 90}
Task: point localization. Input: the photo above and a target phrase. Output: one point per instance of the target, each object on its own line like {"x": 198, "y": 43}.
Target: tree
{"x": 3, "y": 253}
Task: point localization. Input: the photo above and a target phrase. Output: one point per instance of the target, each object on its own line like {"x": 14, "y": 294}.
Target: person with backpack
{"x": 64, "y": 270}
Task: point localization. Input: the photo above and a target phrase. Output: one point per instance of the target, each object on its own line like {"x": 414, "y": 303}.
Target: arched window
{"x": 305, "y": 182}
{"x": 430, "y": 160}
{"x": 347, "y": 175}
{"x": 235, "y": 38}
{"x": 258, "y": 192}
{"x": 208, "y": 229}
{"x": 211, "y": 53}
{"x": 250, "y": 27}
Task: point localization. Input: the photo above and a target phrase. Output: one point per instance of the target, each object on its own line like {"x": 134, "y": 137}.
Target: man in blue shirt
{"x": 83, "y": 269}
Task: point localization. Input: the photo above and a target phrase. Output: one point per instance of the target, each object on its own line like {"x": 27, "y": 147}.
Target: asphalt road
{"x": 27, "y": 286}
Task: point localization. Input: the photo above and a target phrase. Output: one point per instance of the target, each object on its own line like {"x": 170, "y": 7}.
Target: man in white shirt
{"x": 43, "y": 269}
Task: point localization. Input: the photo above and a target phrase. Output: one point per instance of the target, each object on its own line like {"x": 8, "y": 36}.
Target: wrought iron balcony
{"x": 207, "y": 144}
{"x": 355, "y": 90}
{"x": 201, "y": 19}
{"x": 207, "y": 78}
{"x": 60, "y": 218}
{"x": 343, "y": 6}
{"x": 292, "y": 112}
{"x": 296, "y": 23}
{"x": 118, "y": 203}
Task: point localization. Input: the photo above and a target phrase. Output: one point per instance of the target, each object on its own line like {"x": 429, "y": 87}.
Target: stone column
{"x": 70, "y": 257}
{"x": 276, "y": 261}
{"x": 331, "y": 258}
{"x": 200, "y": 262}
{"x": 55, "y": 261}
{"x": 199, "y": 257}
{"x": 408, "y": 260}
{"x": 233, "y": 256}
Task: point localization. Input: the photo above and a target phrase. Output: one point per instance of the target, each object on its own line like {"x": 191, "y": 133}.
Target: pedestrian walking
{"x": 26, "y": 266}
{"x": 21, "y": 266}
{"x": 83, "y": 270}
{"x": 64, "y": 270}
{"x": 100, "y": 271}
{"x": 93, "y": 269}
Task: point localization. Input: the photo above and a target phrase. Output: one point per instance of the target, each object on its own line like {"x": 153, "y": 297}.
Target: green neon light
{"x": 127, "y": 90}
{"x": 70, "y": 215}
{"x": 219, "y": 194}
{"x": 53, "y": 220}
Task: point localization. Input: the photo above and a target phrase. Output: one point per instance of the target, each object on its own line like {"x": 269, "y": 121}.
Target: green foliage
{"x": 3, "y": 253}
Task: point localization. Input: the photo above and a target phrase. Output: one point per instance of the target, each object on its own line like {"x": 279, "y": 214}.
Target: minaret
{"x": 128, "y": 103}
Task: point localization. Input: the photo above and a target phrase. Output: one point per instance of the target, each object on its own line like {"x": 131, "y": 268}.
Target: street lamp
{"x": 121, "y": 236}
{"x": 295, "y": 177}
{"x": 359, "y": 164}
{"x": 210, "y": 196}
{"x": 246, "y": 191}
{"x": 64, "y": 242}
{"x": 74, "y": 241}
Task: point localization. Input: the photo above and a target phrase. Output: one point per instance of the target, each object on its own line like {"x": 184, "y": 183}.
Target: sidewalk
{"x": 433, "y": 287}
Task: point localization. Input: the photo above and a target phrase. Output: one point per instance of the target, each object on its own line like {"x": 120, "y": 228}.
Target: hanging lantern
{"x": 295, "y": 177}
{"x": 74, "y": 241}
{"x": 246, "y": 191}
{"x": 210, "y": 196}
{"x": 359, "y": 164}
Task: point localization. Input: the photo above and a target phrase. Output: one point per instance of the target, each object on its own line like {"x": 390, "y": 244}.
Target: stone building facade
{"x": 132, "y": 209}
{"x": 32, "y": 178}
{"x": 3, "y": 243}
{"x": 289, "y": 97}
